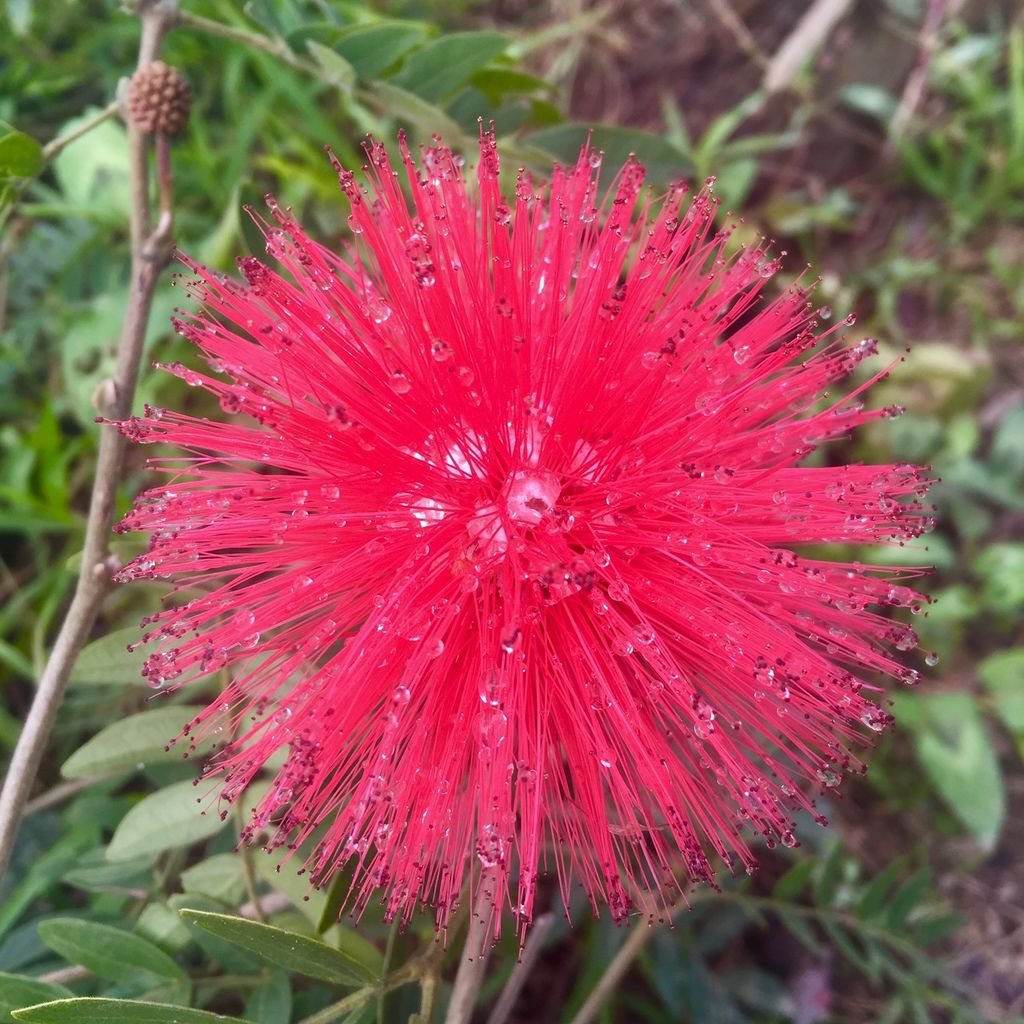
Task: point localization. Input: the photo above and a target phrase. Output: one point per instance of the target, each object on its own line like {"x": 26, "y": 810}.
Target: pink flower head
{"x": 496, "y": 545}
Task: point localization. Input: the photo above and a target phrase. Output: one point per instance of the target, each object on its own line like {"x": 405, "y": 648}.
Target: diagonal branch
{"x": 150, "y": 252}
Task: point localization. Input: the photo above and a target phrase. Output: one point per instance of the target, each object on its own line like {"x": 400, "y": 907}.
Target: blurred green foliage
{"x": 99, "y": 880}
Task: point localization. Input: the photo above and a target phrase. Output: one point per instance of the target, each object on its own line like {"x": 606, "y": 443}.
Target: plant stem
{"x": 539, "y": 929}
{"x": 639, "y": 936}
{"x": 114, "y": 399}
{"x": 54, "y": 146}
{"x": 257, "y": 40}
{"x": 473, "y": 965}
{"x": 414, "y": 970}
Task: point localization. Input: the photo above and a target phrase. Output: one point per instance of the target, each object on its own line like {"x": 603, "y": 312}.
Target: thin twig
{"x": 54, "y": 146}
{"x": 257, "y": 40}
{"x": 914, "y": 88}
{"x": 473, "y": 965}
{"x": 737, "y": 28}
{"x": 114, "y": 400}
{"x": 639, "y": 935}
{"x": 58, "y": 794}
{"x": 423, "y": 966}
{"x": 539, "y": 930}
{"x": 810, "y": 33}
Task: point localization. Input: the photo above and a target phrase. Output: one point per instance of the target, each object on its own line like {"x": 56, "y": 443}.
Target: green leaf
{"x": 109, "y": 952}
{"x": 902, "y": 905}
{"x": 826, "y": 884}
{"x": 93, "y": 170}
{"x": 284, "y": 949}
{"x": 872, "y": 900}
{"x": 219, "y": 876}
{"x": 794, "y": 881}
{"x": 20, "y": 156}
{"x": 371, "y": 49}
{"x": 955, "y": 751}
{"x": 425, "y": 117}
{"x": 115, "y": 1011}
{"x": 1003, "y": 676}
{"x": 107, "y": 662}
{"x": 94, "y": 872}
{"x": 165, "y": 820}
{"x": 437, "y": 70}
{"x": 336, "y": 70}
{"x": 935, "y": 929}
{"x": 17, "y": 991}
{"x": 869, "y": 99}
{"x": 271, "y": 1003}
{"x": 664, "y": 162}
{"x": 129, "y": 744}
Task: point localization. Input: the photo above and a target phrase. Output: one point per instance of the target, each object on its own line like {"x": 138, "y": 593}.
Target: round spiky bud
{"x": 159, "y": 99}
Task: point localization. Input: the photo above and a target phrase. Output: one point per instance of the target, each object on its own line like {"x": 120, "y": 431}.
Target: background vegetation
{"x": 890, "y": 155}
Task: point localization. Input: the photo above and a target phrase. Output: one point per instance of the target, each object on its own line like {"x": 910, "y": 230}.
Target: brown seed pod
{"x": 159, "y": 99}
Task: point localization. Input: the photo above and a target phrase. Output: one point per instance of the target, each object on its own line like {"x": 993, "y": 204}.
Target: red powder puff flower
{"x": 498, "y": 550}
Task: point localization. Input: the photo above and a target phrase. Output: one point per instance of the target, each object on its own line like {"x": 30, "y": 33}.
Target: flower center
{"x": 530, "y": 495}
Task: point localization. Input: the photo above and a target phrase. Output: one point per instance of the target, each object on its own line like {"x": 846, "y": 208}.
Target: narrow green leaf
{"x": 423, "y": 115}
{"x": 440, "y": 67}
{"x": 284, "y": 949}
{"x": 935, "y": 929}
{"x": 164, "y": 820}
{"x": 109, "y": 952}
{"x": 371, "y": 49}
{"x": 794, "y": 881}
{"x": 336, "y": 70}
{"x": 115, "y": 1011}
{"x": 17, "y": 991}
{"x": 129, "y": 743}
{"x": 872, "y": 900}
{"x": 827, "y": 882}
{"x": 907, "y": 898}
{"x": 107, "y": 662}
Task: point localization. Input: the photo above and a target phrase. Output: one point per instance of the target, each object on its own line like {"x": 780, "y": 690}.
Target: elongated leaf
{"x": 109, "y": 952}
{"x": 371, "y": 49}
{"x": 872, "y": 901}
{"x": 129, "y": 743}
{"x": 423, "y": 115}
{"x": 436, "y": 71}
{"x": 334, "y": 68}
{"x": 115, "y": 1011}
{"x": 164, "y": 820}
{"x": 794, "y": 881}
{"x": 107, "y": 662}
{"x": 284, "y": 949}
{"x": 16, "y": 992}
{"x": 827, "y": 881}
{"x": 907, "y": 898}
